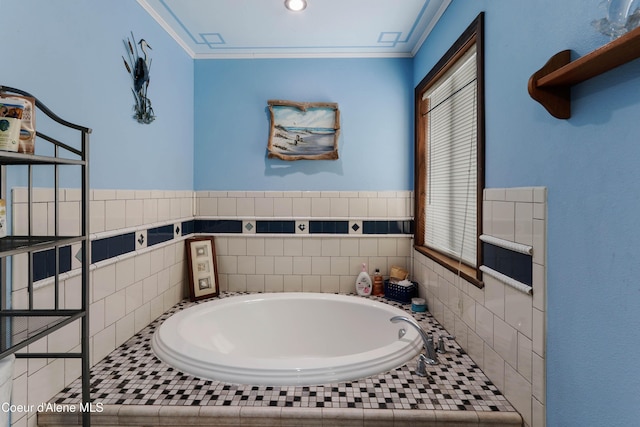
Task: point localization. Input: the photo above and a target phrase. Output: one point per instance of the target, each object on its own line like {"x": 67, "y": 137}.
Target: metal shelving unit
{"x": 23, "y": 326}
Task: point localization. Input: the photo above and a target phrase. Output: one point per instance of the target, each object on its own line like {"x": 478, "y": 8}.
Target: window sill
{"x": 470, "y": 274}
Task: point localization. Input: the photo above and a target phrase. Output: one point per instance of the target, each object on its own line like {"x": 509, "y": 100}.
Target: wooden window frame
{"x": 474, "y": 34}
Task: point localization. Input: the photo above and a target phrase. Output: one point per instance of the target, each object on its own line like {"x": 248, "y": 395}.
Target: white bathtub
{"x": 286, "y": 339}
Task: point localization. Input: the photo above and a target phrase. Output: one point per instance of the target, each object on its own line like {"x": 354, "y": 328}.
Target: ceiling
{"x": 326, "y": 28}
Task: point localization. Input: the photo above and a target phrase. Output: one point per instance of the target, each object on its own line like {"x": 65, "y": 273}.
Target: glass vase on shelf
{"x": 622, "y": 17}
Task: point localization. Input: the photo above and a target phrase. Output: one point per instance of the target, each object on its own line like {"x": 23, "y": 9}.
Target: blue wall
{"x": 590, "y": 166}
{"x": 375, "y": 98}
{"x": 69, "y": 54}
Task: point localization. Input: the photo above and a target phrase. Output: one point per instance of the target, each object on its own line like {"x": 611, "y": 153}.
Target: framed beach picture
{"x": 303, "y": 130}
{"x": 203, "y": 271}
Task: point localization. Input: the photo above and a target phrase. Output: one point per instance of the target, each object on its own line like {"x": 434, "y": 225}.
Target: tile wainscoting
{"x": 127, "y": 291}
{"x": 138, "y": 267}
{"x": 319, "y": 240}
{"x": 139, "y": 270}
{"x": 501, "y": 328}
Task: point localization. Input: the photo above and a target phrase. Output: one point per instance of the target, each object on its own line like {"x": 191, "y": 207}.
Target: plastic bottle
{"x": 363, "y": 282}
{"x": 378, "y": 283}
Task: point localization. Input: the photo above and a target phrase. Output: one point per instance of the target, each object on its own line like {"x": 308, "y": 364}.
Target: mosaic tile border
{"x": 121, "y": 244}
{"x": 132, "y": 375}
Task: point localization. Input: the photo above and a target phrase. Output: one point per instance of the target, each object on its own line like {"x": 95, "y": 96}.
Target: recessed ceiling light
{"x": 295, "y": 5}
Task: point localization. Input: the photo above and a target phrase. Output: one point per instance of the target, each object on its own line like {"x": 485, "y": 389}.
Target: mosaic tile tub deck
{"x": 134, "y": 388}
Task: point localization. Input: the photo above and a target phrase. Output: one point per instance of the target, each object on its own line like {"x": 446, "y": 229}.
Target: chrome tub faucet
{"x": 431, "y": 357}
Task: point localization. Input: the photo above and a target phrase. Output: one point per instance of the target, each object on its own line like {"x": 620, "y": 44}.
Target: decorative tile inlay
{"x": 132, "y": 375}
{"x": 249, "y": 227}
{"x": 355, "y": 227}
{"x": 141, "y": 239}
{"x": 302, "y": 227}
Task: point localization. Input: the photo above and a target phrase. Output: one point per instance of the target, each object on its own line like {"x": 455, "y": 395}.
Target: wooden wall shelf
{"x": 551, "y": 85}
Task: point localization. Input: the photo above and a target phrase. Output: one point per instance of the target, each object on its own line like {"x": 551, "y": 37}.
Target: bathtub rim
{"x": 242, "y": 371}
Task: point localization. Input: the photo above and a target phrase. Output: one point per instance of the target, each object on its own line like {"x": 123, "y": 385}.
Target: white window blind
{"x": 451, "y": 178}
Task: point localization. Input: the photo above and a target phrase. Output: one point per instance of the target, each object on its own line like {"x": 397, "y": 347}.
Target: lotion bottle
{"x": 363, "y": 282}
{"x": 378, "y": 283}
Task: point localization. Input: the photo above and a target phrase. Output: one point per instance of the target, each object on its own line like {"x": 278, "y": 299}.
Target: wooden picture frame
{"x": 303, "y": 130}
{"x": 203, "y": 270}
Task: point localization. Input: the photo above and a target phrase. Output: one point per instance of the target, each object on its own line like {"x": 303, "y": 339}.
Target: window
{"x": 450, "y": 157}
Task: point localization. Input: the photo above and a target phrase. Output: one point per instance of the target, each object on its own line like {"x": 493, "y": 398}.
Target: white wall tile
{"x": 274, "y": 246}
{"x": 501, "y": 312}
{"x": 134, "y": 213}
{"x": 494, "y": 295}
{"x": 339, "y": 266}
{"x": 264, "y": 207}
{"x": 358, "y": 208}
{"x": 255, "y": 283}
{"x": 368, "y": 247}
{"x": 69, "y": 218}
{"x": 125, "y": 273}
{"x": 227, "y": 207}
{"x": 103, "y": 282}
{"x": 311, "y": 284}
{"x": 518, "y": 311}
{"x": 149, "y": 288}
{"x": 312, "y": 247}
{"x": 292, "y": 247}
{"x": 246, "y": 206}
{"x": 503, "y": 217}
{"x": 302, "y": 265}
{"x": 301, "y": 207}
{"x": 246, "y": 264}
{"x": 330, "y": 246}
{"x": 264, "y": 264}
{"x": 320, "y": 208}
{"x": 519, "y": 391}
{"x": 283, "y": 265}
{"x": 236, "y": 246}
{"x": 320, "y": 265}
{"x": 44, "y": 383}
{"x": 115, "y": 214}
{"x": 142, "y": 317}
{"x": 283, "y": 207}
{"x": 292, "y": 283}
{"x": 493, "y": 366}
{"x": 274, "y": 283}
{"x": 484, "y": 324}
{"x": 104, "y": 342}
{"x": 525, "y": 358}
{"x": 505, "y": 341}
{"x": 133, "y": 297}
{"x": 524, "y": 223}
{"x": 149, "y": 211}
{"x": 339, "y": 207}
{"x": 114, "y": 305}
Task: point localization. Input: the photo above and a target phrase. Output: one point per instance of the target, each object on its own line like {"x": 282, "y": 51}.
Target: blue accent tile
{"x": 513, "y": 264}
{"x": 276, "y": 227}
{"x": 328, "y": 227}
{"x": 387, "y": 227}
{"x": 44, "y": 262}
{"x": 188, "y": 227}
{"x": 218, "y": 226}
{"x": 99, "y": 250}
{"x": 110, "y": 247}
{"x": 118, "y": 245}
{"x": 159, "y": 234}
{"x": 375, "y": 227}
{"x": 395, "y": 227}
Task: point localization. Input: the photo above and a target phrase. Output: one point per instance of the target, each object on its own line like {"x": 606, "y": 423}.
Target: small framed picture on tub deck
{"x": 203, "y": 271}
